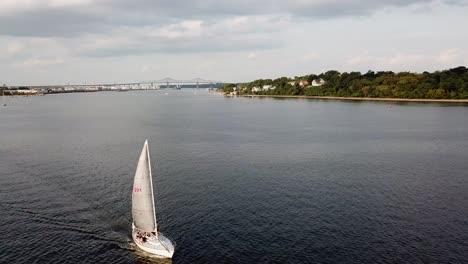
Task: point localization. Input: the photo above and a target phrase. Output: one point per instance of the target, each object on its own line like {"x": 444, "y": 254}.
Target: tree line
{"x": 447, "y": 84}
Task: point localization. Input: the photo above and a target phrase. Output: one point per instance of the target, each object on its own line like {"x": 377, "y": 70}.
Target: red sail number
{"x": 137, "y": 189}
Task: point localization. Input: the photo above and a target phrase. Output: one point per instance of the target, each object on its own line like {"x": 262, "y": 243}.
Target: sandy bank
{"x": 363, "y": 98}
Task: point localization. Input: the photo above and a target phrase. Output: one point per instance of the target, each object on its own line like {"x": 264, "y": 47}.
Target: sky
{"x": 107, "y": 41}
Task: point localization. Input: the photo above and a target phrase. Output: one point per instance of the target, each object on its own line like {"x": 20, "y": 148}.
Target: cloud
{"x": 27, "y": 5}
{"x": 364, "y": 58}
{"x": 59, "y": 18}
{"x": 107, "y": 28}
{"x": 448, "y": 56}
{"x": 252, "y": 56}
{"x": 40, "y": 62}
{"x": 398, "y": 60}
{"x": 28, "y": 49}
{"x": 67, "y": 3}
{"x": 310, "y": 56}
{"x": 11, "y": 49}
{"x": 402, "y": 59}
{"x": 145, "y": 68}
{"x": 186, "y": 36}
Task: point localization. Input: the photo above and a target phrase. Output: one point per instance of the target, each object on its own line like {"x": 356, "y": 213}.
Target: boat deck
{"x": 158, "y": 243}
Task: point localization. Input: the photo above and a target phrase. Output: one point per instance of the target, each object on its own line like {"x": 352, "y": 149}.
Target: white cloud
{"x": 34, "y": 62}
{"x": 67, "y": 3}
{"x": 17, "y": 5}
{"x": 405, "y": 61}
{"x": 252, "y": 56}
{"x": 361, "y": 59}
{"x": 398, "y": 60}
{"x": 181, "y": 30}
{"x": 14, "y": 48}
{"x": 310, "y": 56}
{"x": 11, "y": 49}
{"x": 145, "y": 68}
{"x": 448, "y": 56}
{"x": 402, "y": 59}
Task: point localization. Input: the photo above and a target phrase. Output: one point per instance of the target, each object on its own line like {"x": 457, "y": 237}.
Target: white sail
{"x": 144, "y": 216}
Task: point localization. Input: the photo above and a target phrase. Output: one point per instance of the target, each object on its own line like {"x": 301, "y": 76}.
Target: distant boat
{"x": 145, "y": 231}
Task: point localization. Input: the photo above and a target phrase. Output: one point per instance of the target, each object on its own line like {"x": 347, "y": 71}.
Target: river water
{"x": 237, "y": 180}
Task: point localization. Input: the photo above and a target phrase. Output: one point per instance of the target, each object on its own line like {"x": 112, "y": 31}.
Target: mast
{"x": 151, "y": 184}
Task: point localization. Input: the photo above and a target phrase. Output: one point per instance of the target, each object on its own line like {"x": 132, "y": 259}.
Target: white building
{"x": 303, "y": 83}
{"x": 319, "y": 82}
{"x": 257, "y": 89}
{"x": 268, "y": 87}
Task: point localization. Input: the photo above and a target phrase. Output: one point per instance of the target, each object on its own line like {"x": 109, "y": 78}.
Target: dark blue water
{"x": 237, "y": 180}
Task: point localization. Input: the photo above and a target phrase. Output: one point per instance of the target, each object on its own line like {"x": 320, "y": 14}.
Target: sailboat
{"x": 145, "y": 230}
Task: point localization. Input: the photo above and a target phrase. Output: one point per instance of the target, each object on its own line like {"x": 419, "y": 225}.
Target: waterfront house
{"x": 303, "y": 83}
{"x": 257, "y": 89}
{"x": 318, "y": 82}
{"x": 268, "y": 87}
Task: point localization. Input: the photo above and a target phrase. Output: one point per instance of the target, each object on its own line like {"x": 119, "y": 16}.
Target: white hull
{"x": 161, "y": 246}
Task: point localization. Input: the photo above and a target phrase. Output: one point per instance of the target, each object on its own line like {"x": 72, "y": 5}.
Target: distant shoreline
{"x": 360, "y": 98}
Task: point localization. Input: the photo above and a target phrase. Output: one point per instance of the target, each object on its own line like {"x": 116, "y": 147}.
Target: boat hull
{"x": 160, "y": 247}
